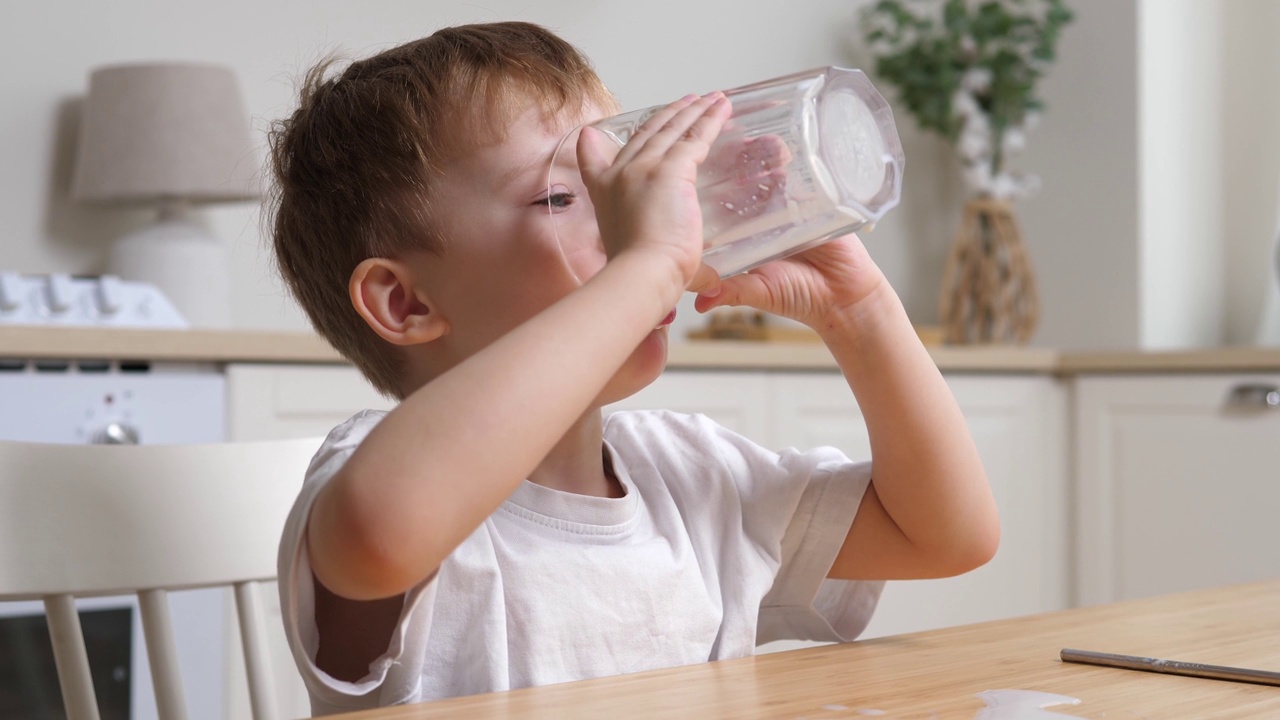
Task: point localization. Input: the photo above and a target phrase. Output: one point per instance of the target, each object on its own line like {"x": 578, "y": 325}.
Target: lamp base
{"x": 184, "y": 260}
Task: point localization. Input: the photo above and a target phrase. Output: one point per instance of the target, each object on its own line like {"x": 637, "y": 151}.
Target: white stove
{"x": 60, "y": 299}
{"x": 102, "y": 400}
{"x": 118, "y": 401}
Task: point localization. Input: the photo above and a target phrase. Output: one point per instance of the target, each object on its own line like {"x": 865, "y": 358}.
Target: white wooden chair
{"x": 79, "y": 521}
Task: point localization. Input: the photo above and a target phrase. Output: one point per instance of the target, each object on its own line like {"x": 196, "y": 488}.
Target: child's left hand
{"x": 818, "y": 287}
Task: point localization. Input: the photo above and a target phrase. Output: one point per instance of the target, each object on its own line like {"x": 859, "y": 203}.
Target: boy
{"x": 492, "y": 531}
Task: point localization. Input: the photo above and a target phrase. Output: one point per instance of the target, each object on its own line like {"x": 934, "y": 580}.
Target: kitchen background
{"x": 1159, "y": 151}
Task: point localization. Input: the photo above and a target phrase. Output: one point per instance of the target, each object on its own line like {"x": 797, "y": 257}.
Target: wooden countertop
{"x": 937, "y": 674}
{"x": 224, "y": 346}
{"x": 65, "y": 343}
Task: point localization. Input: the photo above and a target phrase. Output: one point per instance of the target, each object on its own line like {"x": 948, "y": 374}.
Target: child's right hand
{"x": 646, "y": 200}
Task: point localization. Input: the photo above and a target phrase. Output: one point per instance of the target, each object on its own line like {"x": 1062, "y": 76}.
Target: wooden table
{"x": 937, "y": 674}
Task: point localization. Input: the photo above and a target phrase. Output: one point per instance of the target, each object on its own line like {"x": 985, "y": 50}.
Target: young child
{"x": 492, "y": 531}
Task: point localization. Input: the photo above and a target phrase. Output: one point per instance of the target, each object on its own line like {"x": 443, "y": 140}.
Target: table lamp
{"x": 172, "y": 136}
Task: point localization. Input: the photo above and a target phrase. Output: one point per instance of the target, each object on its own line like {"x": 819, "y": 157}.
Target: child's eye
{"x": 557, "y": 201}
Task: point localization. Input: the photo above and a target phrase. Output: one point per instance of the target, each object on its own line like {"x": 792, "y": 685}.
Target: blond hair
{"x": 355, "y": 164}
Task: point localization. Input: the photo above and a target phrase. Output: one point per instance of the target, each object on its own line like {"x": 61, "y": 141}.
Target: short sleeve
{"x": 394, "y": 676}
{"x": 803, "y": 603}
{"x": 783, "y": 516}
{"x": 797, "y": 508}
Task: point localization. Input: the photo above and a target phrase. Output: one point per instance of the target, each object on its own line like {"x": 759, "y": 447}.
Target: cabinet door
{"x": 1178, "y": 482}
{"x": 737, "y": 400}
{"x": 277, "y": 402}
{"x": 1018, "y": 425}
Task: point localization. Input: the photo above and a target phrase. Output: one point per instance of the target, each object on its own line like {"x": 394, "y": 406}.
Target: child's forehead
{"x": 518, "y": 134}
{"x": 494, "y": 121}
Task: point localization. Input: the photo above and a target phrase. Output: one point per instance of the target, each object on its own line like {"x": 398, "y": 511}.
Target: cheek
{"x": 584, "y": 262}
{"x": 579, "y": 241}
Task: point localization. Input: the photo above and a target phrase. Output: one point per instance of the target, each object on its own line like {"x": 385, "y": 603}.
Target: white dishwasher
{"x": 108, "y": 400}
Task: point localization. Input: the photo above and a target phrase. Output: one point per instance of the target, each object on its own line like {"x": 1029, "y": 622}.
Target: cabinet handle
{"x": 1266, "y": 397}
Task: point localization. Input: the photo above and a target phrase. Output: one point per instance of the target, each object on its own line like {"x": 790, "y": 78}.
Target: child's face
{"x": 511, "y": 253}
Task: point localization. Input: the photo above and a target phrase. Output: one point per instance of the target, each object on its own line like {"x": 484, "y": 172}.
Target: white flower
{"x": 964, "y": 104}
{"x": 1014, "y": 141}
{"x": 974, "y": 146}
{"x": 1008, "y": 186}
{"x": 976, "y": 80}
{"x": 1004, "y": 186}
{"x": 978, "y": 176}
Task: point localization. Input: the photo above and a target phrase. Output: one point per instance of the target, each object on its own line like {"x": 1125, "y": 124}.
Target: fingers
{"x": 696, "y": 120}
{"x": 651, "y": 125}
{"x": 593, "y": 155}
{"x": 694, "y": 126}
{"x": 705, "y": 282}
{"x": 748, "y": 288}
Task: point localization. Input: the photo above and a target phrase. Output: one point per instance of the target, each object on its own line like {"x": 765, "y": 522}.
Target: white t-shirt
{"x": 718, "y": 545}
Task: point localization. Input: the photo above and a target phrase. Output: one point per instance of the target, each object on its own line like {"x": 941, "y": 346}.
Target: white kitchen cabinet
{"x": 1178, "y": 481}
{"x": 1018, "y": 424}
{"x": 278, "y": 402}
{"x": 737, "y": 400}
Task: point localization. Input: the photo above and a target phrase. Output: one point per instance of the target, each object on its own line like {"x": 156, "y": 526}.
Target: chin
{"x": 643, "y": 367}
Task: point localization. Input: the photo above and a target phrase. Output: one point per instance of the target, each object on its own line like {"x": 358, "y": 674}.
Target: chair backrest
{"x": 107, "y": 520}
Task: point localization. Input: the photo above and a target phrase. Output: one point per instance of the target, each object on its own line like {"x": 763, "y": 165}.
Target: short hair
{"x": 355, "y": 163}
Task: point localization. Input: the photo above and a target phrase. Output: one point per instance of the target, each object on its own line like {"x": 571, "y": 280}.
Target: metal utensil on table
{"x": 1171, "y": 667}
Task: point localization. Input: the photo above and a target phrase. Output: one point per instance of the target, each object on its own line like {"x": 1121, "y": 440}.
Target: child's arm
{"x": 440, "y": 463}
{"x": 929, "y": 510}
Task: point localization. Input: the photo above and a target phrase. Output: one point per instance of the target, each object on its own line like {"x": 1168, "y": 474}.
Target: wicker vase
{"x": 988, "y": 287}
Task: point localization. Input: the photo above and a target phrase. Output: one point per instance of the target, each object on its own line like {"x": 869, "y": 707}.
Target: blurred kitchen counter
{"x": 248, "y": 346}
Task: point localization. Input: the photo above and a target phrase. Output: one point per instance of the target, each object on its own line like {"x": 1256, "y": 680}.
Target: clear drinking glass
{"x": 803, "y": 158}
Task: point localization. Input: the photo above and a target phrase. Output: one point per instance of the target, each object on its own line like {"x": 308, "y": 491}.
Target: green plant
{"x": 968, "y": 71}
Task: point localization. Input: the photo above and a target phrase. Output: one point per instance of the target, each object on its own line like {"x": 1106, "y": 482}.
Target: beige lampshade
{"x": 159, "y": 131}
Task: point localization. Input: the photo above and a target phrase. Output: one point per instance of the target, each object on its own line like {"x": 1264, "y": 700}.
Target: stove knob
{"x": 10, "y": 291}
{"x": 60, "y": 290}
{"x": 108, "y": 294}
{"x": 116, "y": 433}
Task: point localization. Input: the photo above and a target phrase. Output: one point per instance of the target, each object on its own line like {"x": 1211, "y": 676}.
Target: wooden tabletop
{"x": 938, "y": 674}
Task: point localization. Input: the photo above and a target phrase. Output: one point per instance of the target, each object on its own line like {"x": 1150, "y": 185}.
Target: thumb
{"x": 705, "y": 281}
{"x": 743, "y": 289}
{"x": 593, "y": 158}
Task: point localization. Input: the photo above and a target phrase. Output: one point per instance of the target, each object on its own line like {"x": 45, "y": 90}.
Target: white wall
{"x": 1082, "y": 230}
{"x": 1082, "y": 227}
{"x": 1160, "y": 155}
{"x": 1180, "y": 112}
{"x": 1251, "y": 159}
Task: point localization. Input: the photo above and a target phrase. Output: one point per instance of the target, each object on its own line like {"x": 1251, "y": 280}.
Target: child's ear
{"x": 382, "y": 292}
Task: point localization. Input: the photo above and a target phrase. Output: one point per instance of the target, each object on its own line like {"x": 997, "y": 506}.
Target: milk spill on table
{"x": 1000, "y": 705}
{"x": 1022, "y": 705}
